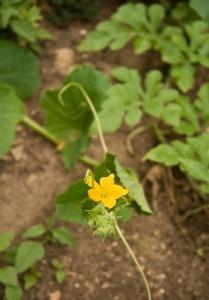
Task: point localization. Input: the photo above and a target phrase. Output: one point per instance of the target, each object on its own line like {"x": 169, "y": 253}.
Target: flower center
{"x": 103, "y": 195}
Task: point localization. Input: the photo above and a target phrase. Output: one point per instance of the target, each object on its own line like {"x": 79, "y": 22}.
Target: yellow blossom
{"x": 106, "y": 191}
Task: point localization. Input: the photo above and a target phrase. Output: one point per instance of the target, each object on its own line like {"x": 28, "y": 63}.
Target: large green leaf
{"x": 28, "y": 253}
{"x": 69, "y": 204}
{"x": 73, "y": 117}
{"x": 11, "y": 112}
{"x": 19, "y": 68}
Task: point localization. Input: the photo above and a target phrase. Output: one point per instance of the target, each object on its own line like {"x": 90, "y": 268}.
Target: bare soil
{"x": 32, "y": 175}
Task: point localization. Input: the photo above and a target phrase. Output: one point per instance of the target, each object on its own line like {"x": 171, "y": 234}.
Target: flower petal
{"x": 109, "y": 202}
{"x": 95, "y": 194}
{"x": 117, "y": 191}
{"x": 106, "y": 182}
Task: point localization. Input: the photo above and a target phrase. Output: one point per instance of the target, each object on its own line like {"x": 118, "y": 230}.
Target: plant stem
{"x": 131, "y": 136}
{"x": 40, "y": 129}
{"x": 158, "y": 133}
{"x": 48, "y": 135}
{"x": 139, "y": 268}
{"x": 89, "y": 161}
{"x": 91, "y": 105}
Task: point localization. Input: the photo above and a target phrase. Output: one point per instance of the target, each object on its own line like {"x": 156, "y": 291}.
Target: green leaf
{"x": 28, "y": 253}
{"x": 130, "y": 180}
{"x": 123, "y": 100}
{"x": 13, "y": 292}
{"x": 184, "y": 76}
{"x": 156, "y": 14}
{"x": 29, "y": 281}
{"x": 11, "y": 112}
{"x": 165, "y": 154}
{"x": 68, "y": 204}
{"x": 57, "y": 264}
{"x": 195, "y": 169}
{"x": 200, "y": 146}
{"x": 141, "y": 26}
{"x": 141, "y": 45}
{"x": 19, "y": 68}
{"x": 6, "y": 239}
{"x": 202, "y": 102}
{"x": 60, "y": 276}
{"x": 24, "y": 29}
{"x": 35, "y": 231}
{"x": 8, "y": 276}
{"x": 63, "y": 236}
{"x": 201, "y": 7}
{"x": 72, "y": 151}
{"x": 125, "y": 213}
{"x": 70, "y": 120}
{"x": 189, "y": 123}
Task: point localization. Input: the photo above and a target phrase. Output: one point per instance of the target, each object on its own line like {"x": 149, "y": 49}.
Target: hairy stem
{"x": 49, "y": 136}
{"x": 91, "y": 105}
{"x": 139, "y": 268}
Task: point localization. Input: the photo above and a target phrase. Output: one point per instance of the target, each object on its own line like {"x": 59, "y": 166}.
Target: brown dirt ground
{"x": 32, "y": 175}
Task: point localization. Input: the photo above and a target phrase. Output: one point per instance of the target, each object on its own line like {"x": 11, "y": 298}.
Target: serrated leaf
{"x": 8, "y": 276}
{"x": 123, "y": 100}
{"x": 130, "y": 181}
{"x": 70, "y": 120}
{"x": 6, "y": 239}
{"x": 165, "y": 154}
{"x": 19, "y": 68}
{"x": 68, "y": 204}
{"x": 142, "y": 26}
{"x": 11, "y": 112}
{"x": 28, "y": 253}
{"x": 13, "y": 292}
{"x": 35, "y": 231}
{"x": 63, "y": 236}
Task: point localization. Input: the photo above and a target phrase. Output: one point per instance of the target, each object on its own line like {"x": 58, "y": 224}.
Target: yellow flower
{"x": 106, "y": 191}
